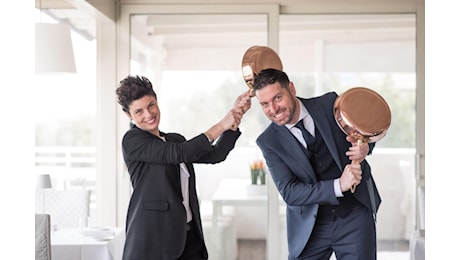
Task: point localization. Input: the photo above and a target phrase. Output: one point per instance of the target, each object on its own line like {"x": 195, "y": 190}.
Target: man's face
{"x": 279, "y": 104}
{"x": 145, "y": 113}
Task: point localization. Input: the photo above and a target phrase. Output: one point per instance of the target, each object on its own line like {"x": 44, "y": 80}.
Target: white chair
{"x": 417, "y": 240}
{"x": 417, "y": 245}
{"x": 421, "y": 207}
{"x": 66, "y": 207}
{"x": 42, "y": 237}
{"x": 408, "y": 202}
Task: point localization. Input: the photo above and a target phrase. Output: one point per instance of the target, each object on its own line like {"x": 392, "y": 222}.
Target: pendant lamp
{"x": 42, "y": 182}
{"x": 53, "y": 49}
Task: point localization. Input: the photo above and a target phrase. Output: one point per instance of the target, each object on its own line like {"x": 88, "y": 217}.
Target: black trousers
{"x": 194, "y": 246}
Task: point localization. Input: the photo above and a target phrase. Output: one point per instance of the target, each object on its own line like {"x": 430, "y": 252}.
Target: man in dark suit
{"x": 309, "y": 158}
{"x": 163, "y": 220}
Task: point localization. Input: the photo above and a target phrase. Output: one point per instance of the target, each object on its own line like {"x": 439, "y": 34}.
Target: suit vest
{"x": 326, "y": 169}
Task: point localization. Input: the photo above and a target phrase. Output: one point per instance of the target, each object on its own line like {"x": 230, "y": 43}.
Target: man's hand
{"x": 351, "y": 176}
{"x": 358, "y": 151}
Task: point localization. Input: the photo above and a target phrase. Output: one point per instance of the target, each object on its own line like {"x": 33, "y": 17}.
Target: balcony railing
{"x": 70, "y": 167}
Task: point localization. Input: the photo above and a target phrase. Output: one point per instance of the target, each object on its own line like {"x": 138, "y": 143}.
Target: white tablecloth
{"x": 87, "y": 244}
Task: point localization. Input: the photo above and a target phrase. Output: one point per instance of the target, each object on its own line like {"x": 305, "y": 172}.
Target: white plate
{"x": 99, "y": 228}
{"x": 105, "y": 238}
{"x": 97, "y": 233}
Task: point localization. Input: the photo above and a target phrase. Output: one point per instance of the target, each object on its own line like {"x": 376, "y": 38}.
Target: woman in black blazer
{"x": 163, "y": 220}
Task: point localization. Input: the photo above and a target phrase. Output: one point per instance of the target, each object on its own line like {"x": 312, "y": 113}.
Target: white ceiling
{"x": 184, "y": 33}
{"x": 76, "y": 13}
{"x": 62, "y": 11}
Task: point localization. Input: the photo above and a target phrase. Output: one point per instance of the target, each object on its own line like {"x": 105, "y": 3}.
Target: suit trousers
{"x": 352, "y": 237}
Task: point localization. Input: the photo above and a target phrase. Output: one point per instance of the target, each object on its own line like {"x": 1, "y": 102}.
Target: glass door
{"x": 195, "y": 64}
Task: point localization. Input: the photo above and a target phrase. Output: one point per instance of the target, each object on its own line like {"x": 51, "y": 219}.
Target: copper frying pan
{"x": 363, "y": 114}
{"x": 256, "y": 59}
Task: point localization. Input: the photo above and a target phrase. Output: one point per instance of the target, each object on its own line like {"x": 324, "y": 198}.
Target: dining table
{"x": 237, "y": 192}
{"x": 89, "y": 243}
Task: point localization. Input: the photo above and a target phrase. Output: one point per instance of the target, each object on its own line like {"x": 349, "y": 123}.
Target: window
{"x": 65, "y": 112}
{"x": 194, "y": 62}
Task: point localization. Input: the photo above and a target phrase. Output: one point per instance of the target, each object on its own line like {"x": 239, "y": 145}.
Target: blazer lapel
{"x": 295, "y": 150}
{"x": 322, "y": 125}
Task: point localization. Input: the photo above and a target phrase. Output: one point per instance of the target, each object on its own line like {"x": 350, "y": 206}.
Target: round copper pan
{"x": 256, "y": 59}
{"x": 362, "y": 113}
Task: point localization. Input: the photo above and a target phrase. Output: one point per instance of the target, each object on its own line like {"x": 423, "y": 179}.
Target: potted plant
{"x": 257, "y": 172}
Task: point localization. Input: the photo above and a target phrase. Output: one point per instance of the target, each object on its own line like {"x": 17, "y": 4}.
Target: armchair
{"x": 42, "y": 237}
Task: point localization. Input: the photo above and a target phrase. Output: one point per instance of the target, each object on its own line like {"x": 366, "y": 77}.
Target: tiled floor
{"x": 387, "y": 250}
{"x": 249, "y": 249}
{"x": 393, "y": 250}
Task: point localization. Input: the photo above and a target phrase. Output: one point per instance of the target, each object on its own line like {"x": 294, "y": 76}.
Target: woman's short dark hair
{"x": 133, "y": 88}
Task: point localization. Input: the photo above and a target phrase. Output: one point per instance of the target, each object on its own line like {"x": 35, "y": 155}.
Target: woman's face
{"x": 145, "y": 113}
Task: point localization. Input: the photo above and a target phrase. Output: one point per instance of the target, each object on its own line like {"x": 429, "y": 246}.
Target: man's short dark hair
{"x": 270, "y": 76}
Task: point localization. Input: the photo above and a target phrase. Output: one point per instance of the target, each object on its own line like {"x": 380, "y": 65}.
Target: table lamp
{"x": 42, "y": 182}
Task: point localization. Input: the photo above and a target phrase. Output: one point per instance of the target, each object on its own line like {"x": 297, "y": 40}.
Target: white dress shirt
{"x": 184, "y": 183}
{"x": 184, "y": 177}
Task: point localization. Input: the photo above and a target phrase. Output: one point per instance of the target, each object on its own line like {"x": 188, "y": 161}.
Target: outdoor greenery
{"x": 199, "y": 110}
{"x": 194, "y": 112}
{"x": 74, "y": 131}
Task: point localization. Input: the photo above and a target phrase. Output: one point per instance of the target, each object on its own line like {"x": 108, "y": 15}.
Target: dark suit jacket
{"x": 156, "y": 218}
{"x": 295, "y": 179}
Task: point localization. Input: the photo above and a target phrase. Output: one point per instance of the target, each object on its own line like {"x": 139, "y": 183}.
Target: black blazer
{"x": 295, "y": 179}
{"x": 156, "y": 218}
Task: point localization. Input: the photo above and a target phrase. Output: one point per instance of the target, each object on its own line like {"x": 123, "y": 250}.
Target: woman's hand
{"x": 243, "y": 101}
{"x": 232, "y": 119}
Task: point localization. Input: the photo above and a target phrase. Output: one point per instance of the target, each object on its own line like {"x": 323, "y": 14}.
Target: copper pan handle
{"x": 353, "y": 187}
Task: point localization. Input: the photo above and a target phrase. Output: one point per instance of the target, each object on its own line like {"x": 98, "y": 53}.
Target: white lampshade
{"x": 43, "y": 181}
{"x": 53, "y": 49}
